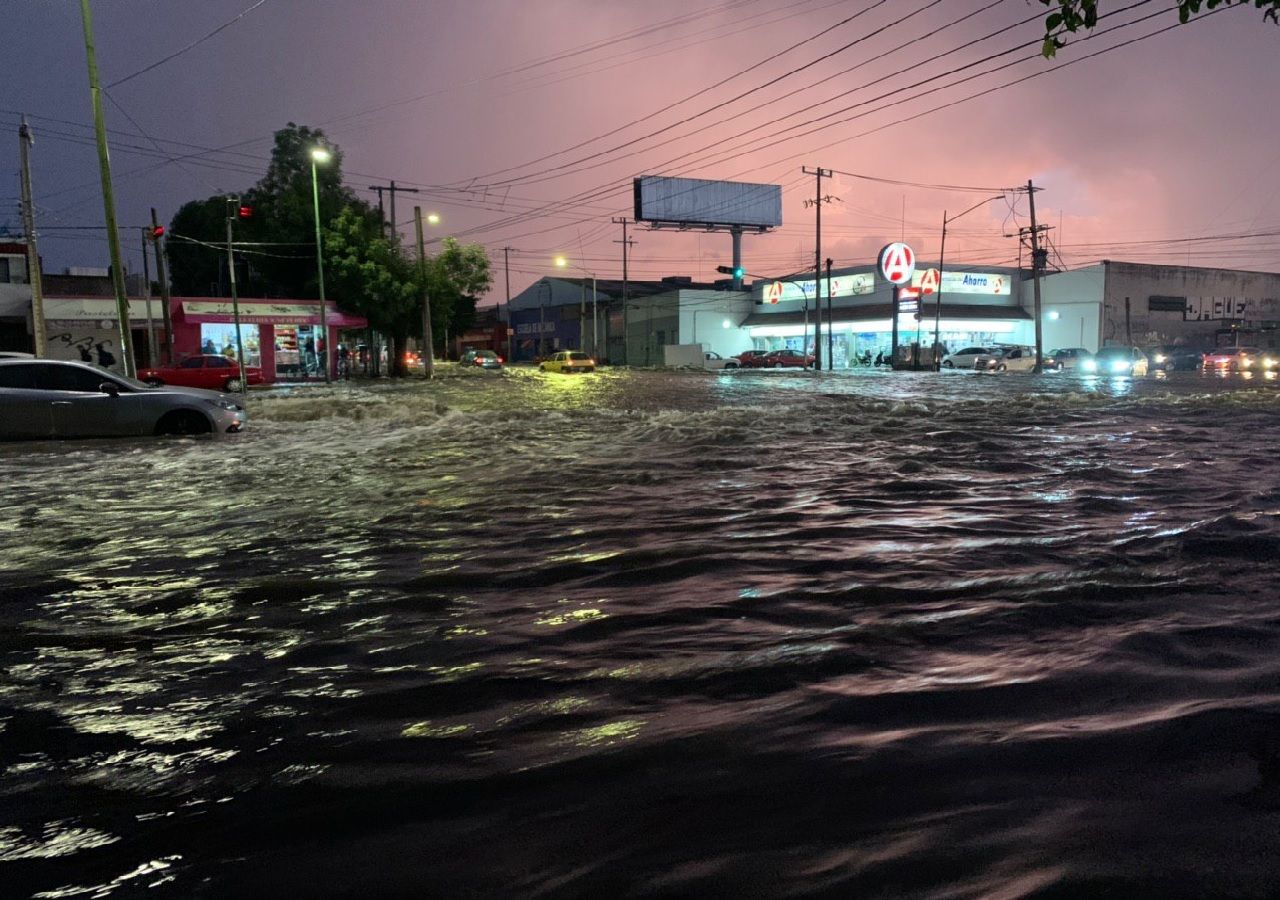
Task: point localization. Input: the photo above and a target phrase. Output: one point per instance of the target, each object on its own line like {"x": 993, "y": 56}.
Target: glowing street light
{"x": 320, "y": 155}
{"x": 562, "y": 262}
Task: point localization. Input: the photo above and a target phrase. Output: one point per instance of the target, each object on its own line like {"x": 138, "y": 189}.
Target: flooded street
{"x": 653, "y": 633}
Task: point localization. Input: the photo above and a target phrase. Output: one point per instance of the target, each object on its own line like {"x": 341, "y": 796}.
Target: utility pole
{"x": 152, "y": 353}
{"x": 162, "y": 276}
{"x": 108, "y": 195}
{"x": 1037, "y": 263}
{"x": 506, "y": 264}
{"x": 392, "y": 189}
{"x": 428, "y": 363}
{"x": 25, "y": 140}
{"x": 831, "y": 342}
{"x": 626, "y": 291}
{"x": 818, "y": 200}
{"x": 233, "y": 211}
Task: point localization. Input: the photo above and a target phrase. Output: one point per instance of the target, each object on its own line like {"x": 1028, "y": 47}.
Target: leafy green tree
{"x": 1071, "y": 16}
{"x": 372, "y": 276}
{"x": 283, "y": 222}
{"x": 196, "y": 270}
{"x": 457, "y": 276}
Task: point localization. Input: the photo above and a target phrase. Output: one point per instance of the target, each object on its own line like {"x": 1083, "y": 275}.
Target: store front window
{"x": 297, "y": 351}
{"x": 220, "y": 340}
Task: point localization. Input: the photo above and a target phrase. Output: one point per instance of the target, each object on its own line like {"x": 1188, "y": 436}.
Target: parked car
{"x": 1011, "y": 359}
{"x": 1171, "y": 358}
{"x": 781, "y": 359}
{"x": 46, "y": 398}
{"x": 750, "y": 359}
{"x": 1070, "y": 357}
{"x": 568, "y": 361}
{"x": 1237, "y": 359}
{"x": 207, "y": 371}
{"x": 713, "y": 360}
{"x": 1117, "y": 360}
{"x": 964, "y": 359}
{"x": 484, "y": 359}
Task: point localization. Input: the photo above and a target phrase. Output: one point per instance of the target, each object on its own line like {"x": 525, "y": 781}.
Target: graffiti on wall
{"x": 1209, "y": 309}
{"x": 93, "y": 348}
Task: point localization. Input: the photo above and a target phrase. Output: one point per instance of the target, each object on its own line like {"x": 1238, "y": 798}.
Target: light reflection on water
{"x": 647, "y": 632}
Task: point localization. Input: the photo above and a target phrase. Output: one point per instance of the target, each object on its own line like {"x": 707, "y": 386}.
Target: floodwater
{"x": 646, "y": 633}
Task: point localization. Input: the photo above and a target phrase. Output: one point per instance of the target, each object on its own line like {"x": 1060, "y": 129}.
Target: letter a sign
{"x": 773, "y": 292}
{"x": 897, "y": 263}
{"x": 929, "y": 282}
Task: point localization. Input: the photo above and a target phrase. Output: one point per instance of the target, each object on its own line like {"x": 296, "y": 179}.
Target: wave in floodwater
{"x": 649, "y": 633}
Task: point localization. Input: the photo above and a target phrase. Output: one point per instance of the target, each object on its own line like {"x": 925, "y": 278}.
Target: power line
{"x": 190, "y": 46}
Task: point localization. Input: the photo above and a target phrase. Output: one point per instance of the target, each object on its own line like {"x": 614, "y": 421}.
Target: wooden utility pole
{"x": 233, "y": 211}
{"x": 152, "y": 353}
{"x": 626, "y": 243}
{"x": 1037, "y": 263}
{"x": 108, "y": 195}
{"x": 163, "y": 277}
{"x": 25, "y": 140}
{"x": 392, "y": 189}
{"x": 506, "y": 265}
{"x": 428, "y": 363}
{"x": 818, "y": 200}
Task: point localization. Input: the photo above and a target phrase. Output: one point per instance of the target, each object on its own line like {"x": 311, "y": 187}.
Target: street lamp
{"x": 937, "y": 299}
{"x": 320, "y": 155}
{"x": 562, "y": 262}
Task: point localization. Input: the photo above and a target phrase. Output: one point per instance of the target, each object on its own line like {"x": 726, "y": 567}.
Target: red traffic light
{"x": 157, "y": 232}
{"x": 245, "y": 212}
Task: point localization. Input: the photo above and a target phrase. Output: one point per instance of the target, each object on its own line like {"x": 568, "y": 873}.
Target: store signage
{"x": 897, "y": 262}
{"x": 535, "y": 327}
{"x": 840, "y": 286}
{"x": 928, "y": 282}
{"x": 968, "y": 282}
{"x": 1206, "y": 309}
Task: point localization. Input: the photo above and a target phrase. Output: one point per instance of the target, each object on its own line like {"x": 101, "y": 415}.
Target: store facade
{"x": 979, "y": 306}
{"x": 283, "y": 337}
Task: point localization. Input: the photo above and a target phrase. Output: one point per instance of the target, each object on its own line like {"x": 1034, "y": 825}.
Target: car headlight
{"x": 1120, "y": 365}
{"x": 1089, "y": 365}
{"x": 1268, "y": 362}
{"x": 1160, "y": 357}
{"x": 223, "y": 403}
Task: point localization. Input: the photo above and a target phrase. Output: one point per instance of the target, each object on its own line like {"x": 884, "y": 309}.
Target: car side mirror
{"x": 110, "y": 388}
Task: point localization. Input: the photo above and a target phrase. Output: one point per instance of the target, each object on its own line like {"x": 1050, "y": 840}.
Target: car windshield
{"x": 1115, "y": 353}
{"x": 487, "y": 354}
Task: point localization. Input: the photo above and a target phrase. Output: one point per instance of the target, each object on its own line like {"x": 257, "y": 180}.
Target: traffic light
{"x": 245, "y": 212}
{"x": 157, "y": 232}
{"x": 735, "y": 271}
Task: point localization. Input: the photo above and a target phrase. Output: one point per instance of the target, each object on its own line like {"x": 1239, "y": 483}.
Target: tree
{"x": 456, "y": 277}
{"x": 1071, "y": 16}
{"x": 371, "y": 276}
{"x": 283, "y": 220}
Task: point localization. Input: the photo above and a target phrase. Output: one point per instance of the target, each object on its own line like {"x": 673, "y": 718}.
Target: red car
{"x": 213, "y": 373}
{"x": 779, "y": 359}
{"x": 751, "y": 358}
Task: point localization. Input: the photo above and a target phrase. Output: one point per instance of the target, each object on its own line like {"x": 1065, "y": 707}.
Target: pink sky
{"x": 1169, "y": 138}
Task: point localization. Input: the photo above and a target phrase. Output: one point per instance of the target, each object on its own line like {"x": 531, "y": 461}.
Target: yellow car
{"x": 568, "y": 361}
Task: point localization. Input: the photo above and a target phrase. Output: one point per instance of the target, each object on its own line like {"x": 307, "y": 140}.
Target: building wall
{"x": 1071, "y": 304}
{"x": 703, "y": 315}
{"x": 1186, "y": 306}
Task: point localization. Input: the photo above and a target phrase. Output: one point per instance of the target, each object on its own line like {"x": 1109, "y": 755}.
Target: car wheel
{"x": 183, "y": 422}
{"x": 232, "y": 386}
{"x": 542, "y": 368}
{"x": 948, "y": 364}
{"x": 777, "y": 365}
{"x": 155, "y": 382}
{"x": 1002, "y": 367}
{"x": 731, "y": 365}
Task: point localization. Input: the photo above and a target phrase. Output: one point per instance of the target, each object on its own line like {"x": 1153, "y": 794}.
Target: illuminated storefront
{"x": 978, "y": 308}
{"x": 283, "y": 337}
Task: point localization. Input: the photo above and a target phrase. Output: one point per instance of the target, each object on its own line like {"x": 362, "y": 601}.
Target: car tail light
{"x": 501, "y": 360}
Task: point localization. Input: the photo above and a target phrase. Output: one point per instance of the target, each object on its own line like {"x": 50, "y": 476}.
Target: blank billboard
{"x": 695, "y": 201}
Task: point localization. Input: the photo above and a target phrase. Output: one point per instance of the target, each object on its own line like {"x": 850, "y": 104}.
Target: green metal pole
{"x": 108, "y": 196}
{"x": 324, "y": 322}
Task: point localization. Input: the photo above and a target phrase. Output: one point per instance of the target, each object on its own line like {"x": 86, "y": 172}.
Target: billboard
{"x": 695, "y": 201}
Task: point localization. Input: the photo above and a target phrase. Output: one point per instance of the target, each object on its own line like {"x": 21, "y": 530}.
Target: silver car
{"x": 45, "y": 398}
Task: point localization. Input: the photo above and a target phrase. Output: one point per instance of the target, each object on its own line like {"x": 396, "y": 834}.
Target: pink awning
{"x": 265, "y": 312}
